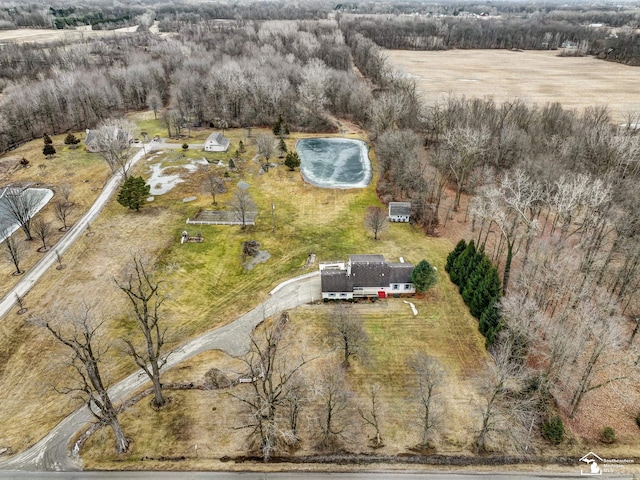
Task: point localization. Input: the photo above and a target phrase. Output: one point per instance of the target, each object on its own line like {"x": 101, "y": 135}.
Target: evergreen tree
{"x": 282, "y": 146}
{"x": 490, "y": 324}
{"x": 47, "y": 139}
{"x": 71, "y": 139}
{"x": 292, "y": 161}
{"x": 476, "y": 278}
{"x": 48, "y": 150}
{"x": 133, "y": 193}
{"x": 424, "y": 276}
{"x": 458, "y": 270}
{"x": 241, "y": 147}
{"x": 455, "y": 253}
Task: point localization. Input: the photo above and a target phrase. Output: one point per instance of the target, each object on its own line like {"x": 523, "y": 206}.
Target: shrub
{"x": 553, "y": 430}
{"x": 185, "y": 146}
{"x": 608, "y": 435}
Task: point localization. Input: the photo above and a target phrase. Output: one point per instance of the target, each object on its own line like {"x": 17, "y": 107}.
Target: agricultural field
{"x": 536, "y": 77}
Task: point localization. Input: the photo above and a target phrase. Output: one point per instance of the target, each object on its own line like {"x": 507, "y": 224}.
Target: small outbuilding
{"x": 399, "y": 211}
{"x": 216, "y": 142}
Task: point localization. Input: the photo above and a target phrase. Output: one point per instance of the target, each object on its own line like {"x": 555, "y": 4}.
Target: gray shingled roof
{"x": 218, "y": 138}
{"x": 368, "y": 258}
{"x": 335, "y": 281}
{"x": 400, "y": 272}
{"x": 399, "y": 208}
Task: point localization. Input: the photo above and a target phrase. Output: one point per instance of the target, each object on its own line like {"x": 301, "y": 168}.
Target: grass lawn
{"x": 208, "y": 286}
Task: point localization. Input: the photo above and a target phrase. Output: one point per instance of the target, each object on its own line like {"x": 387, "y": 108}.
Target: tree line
{"x": 537, "y": 31}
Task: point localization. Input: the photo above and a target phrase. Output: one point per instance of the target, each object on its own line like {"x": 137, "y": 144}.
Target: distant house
{"x": 216, "y": 142}
{"x": 91, "y": 139}
{"x": 365, "y": 276}
{"x": 399, "y": 211}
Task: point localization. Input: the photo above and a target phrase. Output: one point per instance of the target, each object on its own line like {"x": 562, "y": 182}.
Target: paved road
{"x": 52, "y": 452}
{"x": 293, "y": 476}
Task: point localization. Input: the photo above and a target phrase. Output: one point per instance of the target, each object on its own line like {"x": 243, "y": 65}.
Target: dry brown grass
{"x": 85, "y": 172}
{"x": 533, "y": 76}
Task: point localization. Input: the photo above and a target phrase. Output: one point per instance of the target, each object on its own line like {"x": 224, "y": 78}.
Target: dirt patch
{"x": 533, "y": 76}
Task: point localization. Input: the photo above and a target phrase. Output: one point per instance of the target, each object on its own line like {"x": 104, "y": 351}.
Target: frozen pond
{"x": 34, "y": 199}
{"x": 334, "y": 162}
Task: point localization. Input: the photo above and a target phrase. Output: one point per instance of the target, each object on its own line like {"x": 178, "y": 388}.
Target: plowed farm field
{"x": 538, "y": 77}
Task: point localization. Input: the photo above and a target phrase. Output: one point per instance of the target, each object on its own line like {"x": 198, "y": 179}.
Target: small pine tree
{"x": 241, "y": 146}
{"x": 424, "y": 276}
{"x": 292, "y": 161}
{"x": 47, "y": 139}
{"x": 185, "y": 147}
{"x": 48, "y": 150}
{"x": 553, "y": 430}
{"x": 232, "y": 164}
{"x": 133, "y": 193}
{"x": 71, "y": 139}
{"x": 608, "y": 435}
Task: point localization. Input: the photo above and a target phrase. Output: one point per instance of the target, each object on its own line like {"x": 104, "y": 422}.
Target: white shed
{"x": 216, "y": 142}
{"x": 399, "y": 211}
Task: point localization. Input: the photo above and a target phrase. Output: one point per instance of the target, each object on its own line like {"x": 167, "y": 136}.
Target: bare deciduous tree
{"x": 346, "y": 331}
{"x": 77, "y": 330}
{"x": 63, "y": 211}
{"x": 372, "y": 415}
{"x": 266, "y": 147}
{"x": 241, "y": 205}
{"x": 506, "y": 411}
{"x": 213, "y": 185}
{"x": 465, "y": 147}
{"x": 42, "y": 230}
{"x": 19, "y": 205}
{"x": 276, "y": 394}
{"x": 13, "y": 250}
{"x": 334, "y": 416}
{"x": 144, "y": 293}
{"x": 113, "y": 141}
{"x": 376, "y": 220}
{"x": 428, "y": 378}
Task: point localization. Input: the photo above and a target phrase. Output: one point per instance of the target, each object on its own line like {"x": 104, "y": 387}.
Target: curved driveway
{"x": 52, "y": 452}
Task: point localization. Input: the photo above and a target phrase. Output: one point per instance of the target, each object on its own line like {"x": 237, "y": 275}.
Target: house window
{"x": 332, "y": 294}
{"x": 343, "y": 294}
{"x": 395, "y": 286}
{"x": 407, "y": 287}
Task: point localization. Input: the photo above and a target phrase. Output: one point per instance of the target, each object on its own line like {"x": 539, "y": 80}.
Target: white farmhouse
{"x": 216, "y": 142}
{"x": 365, "y": 276}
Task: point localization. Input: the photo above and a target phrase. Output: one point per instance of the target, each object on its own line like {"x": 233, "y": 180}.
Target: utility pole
{"x": 273, "y": 217}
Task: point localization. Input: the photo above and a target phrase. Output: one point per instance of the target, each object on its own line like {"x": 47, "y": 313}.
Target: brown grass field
{"x": 538, "y": 77}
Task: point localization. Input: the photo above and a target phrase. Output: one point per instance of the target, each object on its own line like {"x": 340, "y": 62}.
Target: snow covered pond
{"x": 25, "y": 200}
{"x": 334, "y": 162}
